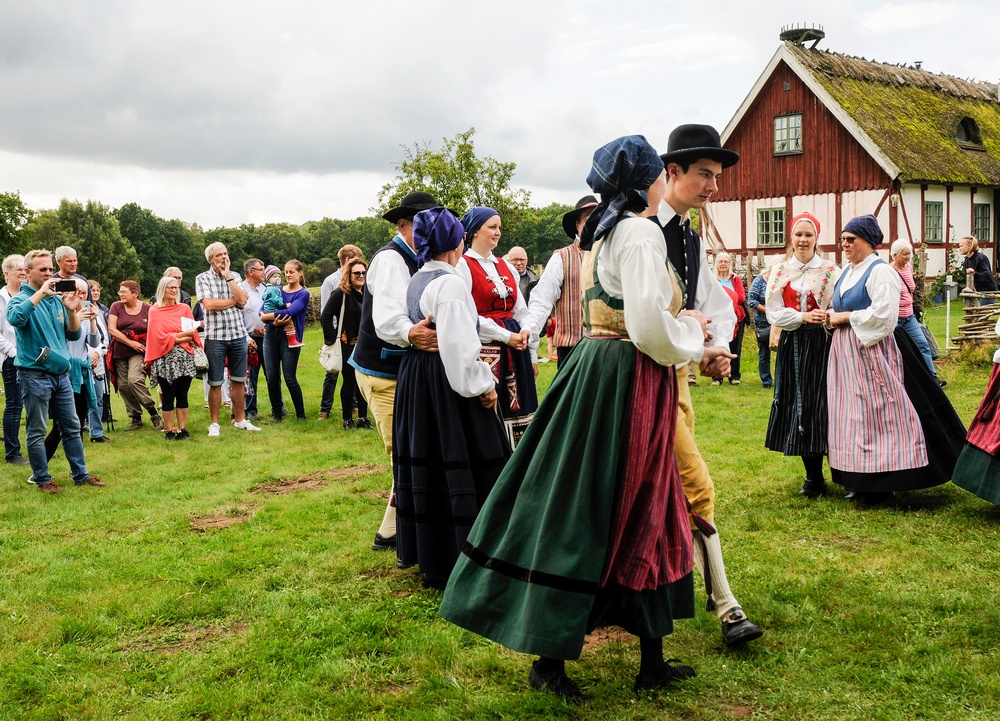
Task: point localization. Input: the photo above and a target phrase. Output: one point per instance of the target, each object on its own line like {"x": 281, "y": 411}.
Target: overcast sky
{"x": 222, "y": 113}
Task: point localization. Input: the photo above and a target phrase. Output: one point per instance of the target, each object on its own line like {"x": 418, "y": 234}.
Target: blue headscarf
{"x": 865, "y": 227}
{"x": 474, "y": 219}
{"x": 435, "y": 231}
{"x": 622, "y": 171}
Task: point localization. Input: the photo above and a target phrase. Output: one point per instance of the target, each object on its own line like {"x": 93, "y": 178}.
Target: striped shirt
{"x": 220, "y": 324}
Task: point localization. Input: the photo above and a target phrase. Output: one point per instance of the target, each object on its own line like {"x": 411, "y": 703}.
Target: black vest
{"x": 372, "y": 355}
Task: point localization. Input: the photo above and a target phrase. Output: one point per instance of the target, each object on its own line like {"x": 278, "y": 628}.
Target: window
{"x": 933, "y": 222}
{"x": 788, "y": 134}
{"x": 771, "y": 228}
{"x": 981, "y": 221}
{"x": 967, "y": 135}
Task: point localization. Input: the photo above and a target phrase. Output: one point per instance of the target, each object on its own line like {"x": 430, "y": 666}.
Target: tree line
{"x": 133, "y": 243}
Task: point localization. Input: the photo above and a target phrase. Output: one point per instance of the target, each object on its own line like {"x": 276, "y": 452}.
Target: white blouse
{"x": 877, "y": 321}
{"x": 448, "y": 302}
{"x": 489, "y": 330}
{"x": 633, "y": 266}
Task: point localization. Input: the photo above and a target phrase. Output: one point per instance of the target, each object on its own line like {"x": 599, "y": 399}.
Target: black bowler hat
{"x": 569, "y": 220}
{"x": 412, "y": 204}
{"x": 687, "y": 143}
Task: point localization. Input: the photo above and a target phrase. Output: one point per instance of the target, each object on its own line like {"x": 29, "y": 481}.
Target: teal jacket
{"x": 43, "y": 326}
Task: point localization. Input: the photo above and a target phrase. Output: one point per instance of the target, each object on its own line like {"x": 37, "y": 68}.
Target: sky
{"x": 223, "y": 113}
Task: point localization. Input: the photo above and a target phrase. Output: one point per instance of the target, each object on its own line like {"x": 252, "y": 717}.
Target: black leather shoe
{"x": 383, "y": 544}
{"x": 100, "y": 439}
{"x": 670, "y": 674}
{"x": 559, "y": 683}
{"x": 737, "y": 629}
{"x": 18, "y": 461}
{"x": 813, "y": 489}
{"x": 403, "y": 566}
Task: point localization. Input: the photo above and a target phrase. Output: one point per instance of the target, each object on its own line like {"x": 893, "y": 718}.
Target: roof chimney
{"x": 801, "y": 34}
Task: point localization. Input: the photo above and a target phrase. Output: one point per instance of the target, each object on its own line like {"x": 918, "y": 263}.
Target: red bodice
{"x": 489, "y": 304}
{"x": 793, "y": 299}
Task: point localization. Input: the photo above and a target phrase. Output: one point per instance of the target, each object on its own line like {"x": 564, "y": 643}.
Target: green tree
{"x": 458, "y": 180}
{"x": 93, "y": 232}
{"x": 540, "y": 233}
{"x": 160, "y": 244}
{"x": 14, "y": 216}
{"x": 275, "y": 243}
{"x": 369, "y": 234}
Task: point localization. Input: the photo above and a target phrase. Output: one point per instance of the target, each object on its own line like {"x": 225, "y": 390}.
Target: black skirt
{"x": 798, "y": 422}
{"x": 944, "y": 433}
{"x": 447, "y": 453}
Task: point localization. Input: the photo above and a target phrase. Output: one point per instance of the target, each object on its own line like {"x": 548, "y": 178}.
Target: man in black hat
{"x": 386, "y": 332}
{"x": 559, "y": 286}
{"x": 694, "y": 162}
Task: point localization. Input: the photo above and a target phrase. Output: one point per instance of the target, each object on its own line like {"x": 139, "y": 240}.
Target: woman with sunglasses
{"x": 341, "y": 321}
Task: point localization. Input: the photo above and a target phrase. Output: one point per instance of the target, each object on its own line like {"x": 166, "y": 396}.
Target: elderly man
{"x": 44, "y": 320}
{"x": 386, "y": 332}
{"x": 694, "y": 162}
{"x": 559, "y": 286}
{"x": 226, "y": 337}
{"x": 344, "y": 256}
{"x": 14, "y": 273}
{"x": 68, "y": 263}
{"x": 518, "y": 258}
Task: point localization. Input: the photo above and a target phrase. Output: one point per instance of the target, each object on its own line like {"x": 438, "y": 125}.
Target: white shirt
{"x": 387, "y": 279}
{"x": 251, "y": 311}
{"x": 489, "y": 330}
{"x": 877, "y": 321}
{"x": 713, "y": 302}
{"x": 8, "y": 339}
{"x": 633, "y": 266}
{"x": 790, "y": 318}
{"x": 545, "y": 294}
{"x": 330, "y": 284}
{"x": 448, "y": 301}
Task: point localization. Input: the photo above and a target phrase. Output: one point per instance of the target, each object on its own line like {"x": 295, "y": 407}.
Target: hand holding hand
{"x": 715, "y": 362}
{"x": 517, "y": 342}
{"x": 814, "y": 316}
{"x": 835, "y": 319}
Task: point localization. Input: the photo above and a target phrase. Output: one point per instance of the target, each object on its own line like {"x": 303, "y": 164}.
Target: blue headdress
{"x": 865, "y": 227}
{"x": 622, "y": 171}
{"x": 435, "y": 231}
{"x": 474, "y": 219}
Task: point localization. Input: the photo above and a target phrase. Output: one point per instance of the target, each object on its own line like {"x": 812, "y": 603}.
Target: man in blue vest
{"x": 386, "y": 332}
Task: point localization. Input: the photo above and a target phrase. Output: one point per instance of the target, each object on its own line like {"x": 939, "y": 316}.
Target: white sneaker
{"x": 245, "y": 425}
{"x": 213, "y": 430}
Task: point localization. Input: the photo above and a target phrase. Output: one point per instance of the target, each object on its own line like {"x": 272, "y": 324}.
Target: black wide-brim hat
{"x": 688, "y": 143}
{"x": 412, "y": 204}
{"x": 570, "y": 219}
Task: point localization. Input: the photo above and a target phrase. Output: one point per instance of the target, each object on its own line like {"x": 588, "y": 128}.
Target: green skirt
{"x": 530, "y": 575}
{"x": 978, "y": 472}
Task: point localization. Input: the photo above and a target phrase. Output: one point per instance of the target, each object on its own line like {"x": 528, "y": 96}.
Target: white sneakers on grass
{"x": 213, "y": 430}
{"x": 245, "y": 425}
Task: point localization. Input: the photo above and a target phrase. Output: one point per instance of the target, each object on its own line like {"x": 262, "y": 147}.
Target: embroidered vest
{"x": 372, "y": 355}
{"x": 603, "y": 314}
{"x": 569, "y": 308}
{"x": 489, "y": 304}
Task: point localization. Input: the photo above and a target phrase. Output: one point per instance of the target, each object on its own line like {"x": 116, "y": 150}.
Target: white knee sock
{"x": 388, "y": 527}
{"x": 708, "y": 548}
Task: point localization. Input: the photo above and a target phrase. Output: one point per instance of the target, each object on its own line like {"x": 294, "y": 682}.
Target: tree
{"x": 92, "y": 231}
{"x": 160, "y": 244}
{"x": 14, "y": 216}
{"x": 540, "y": 233}
{"x": 458, "y": 180}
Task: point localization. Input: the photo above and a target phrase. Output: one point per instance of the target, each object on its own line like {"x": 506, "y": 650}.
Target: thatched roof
{"x": 913, "y": 115}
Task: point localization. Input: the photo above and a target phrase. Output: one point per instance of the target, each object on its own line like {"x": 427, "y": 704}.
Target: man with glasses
{"x": 14, "y": 273}
{"x": 254, "y": 286}
{"x": 518, "y": 258}
{"x": 44, "y": 320}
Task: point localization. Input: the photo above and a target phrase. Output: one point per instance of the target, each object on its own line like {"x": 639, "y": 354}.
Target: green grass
{"x": 113, "y": 606}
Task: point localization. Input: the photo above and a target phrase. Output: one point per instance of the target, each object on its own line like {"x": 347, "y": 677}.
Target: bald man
{"x": 518, "y": 258}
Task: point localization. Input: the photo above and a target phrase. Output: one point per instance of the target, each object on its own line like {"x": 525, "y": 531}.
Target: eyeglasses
{"x": 358, "y": 273}
{"x": 847, "y": 239}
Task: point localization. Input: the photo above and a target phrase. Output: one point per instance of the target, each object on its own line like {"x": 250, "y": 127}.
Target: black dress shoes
{"x": 737, "y": 629}
{"x": 100, "y": 439}
{"x": 813, "y": 489}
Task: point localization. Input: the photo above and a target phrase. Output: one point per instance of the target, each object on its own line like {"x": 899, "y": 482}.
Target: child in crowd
{"x": 273, "y": 302}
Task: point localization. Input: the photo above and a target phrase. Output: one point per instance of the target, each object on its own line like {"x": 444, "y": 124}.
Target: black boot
{"x": 813, "y": 489}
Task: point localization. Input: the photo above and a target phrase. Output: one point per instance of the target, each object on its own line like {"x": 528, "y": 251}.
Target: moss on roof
{"x": 913, "y": 115}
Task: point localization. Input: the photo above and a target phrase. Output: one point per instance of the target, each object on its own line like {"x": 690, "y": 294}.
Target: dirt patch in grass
{"x": 377, "y": 573}
{"x": 241, "y": 513}
{"x": 316, "y": 480}
{"x": 185, "y": 639}
{"x": 741, "y": 712}
{"x": 381, "y": 495}
{"x": 603, "y": 636}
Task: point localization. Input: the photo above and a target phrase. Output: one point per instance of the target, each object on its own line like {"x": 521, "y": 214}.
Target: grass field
{"x": 231, "y": 578}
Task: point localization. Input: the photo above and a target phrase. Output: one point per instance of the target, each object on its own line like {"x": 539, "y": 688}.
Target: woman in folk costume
{"x": 448, "y": 443}
{"x": 891, "y": 426}
{"x": 798, "y": 295}
{"x": 502, "y": 311}
{"x": 978, "y": 467}
{"x": 588, "y": 522}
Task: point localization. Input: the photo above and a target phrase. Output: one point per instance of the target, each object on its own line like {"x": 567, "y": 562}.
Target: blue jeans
{"x": 38, "y": 390}
{"x": 254, "y": 376}
{"x": 218, "y": 351}
{"x": 329, "y": 390}
{"x": 912, "y": 329}
{"x": 764, "y": 355}
{"x": 97, "y": 414}
{"x": 11, "y": 411}
{"x": 282, "y": 361}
